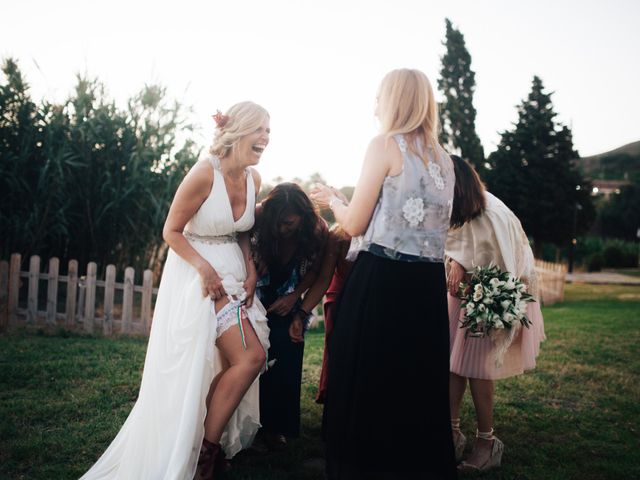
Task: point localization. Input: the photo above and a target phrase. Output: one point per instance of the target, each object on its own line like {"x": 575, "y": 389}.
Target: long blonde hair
{"x": 242, "y": 118}
{"x": 406, "y": 105}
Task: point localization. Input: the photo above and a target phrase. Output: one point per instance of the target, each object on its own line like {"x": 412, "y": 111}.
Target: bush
{"x": 596, "y": 253}
{"x": 595, "y": 262}
{"x": 619, "y": 254}
{"x": 85, "y": 179}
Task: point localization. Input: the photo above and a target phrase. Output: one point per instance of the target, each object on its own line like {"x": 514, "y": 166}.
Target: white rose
{"x": 477, "y": 296}
{"x": 488, "y": 300}
{"x": 470, "y": 307}
{"x": 509, "y": 318}
{"x": 522, "y": 306}
{"x": 505, "y": 304}
{"x": 498, "y": 324}
{"x": 413, "y": 211}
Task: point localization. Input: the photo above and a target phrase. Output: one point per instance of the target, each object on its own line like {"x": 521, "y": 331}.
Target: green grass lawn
{"x": 63, "y": 398}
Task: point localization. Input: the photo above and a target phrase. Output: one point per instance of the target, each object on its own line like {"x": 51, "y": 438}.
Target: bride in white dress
{"x": 198, "y": 399}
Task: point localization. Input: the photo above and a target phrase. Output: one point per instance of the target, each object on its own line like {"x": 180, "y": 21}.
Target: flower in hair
{"x": 221, "y": 119}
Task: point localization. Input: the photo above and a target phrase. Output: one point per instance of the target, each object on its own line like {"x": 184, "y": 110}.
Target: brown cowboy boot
{"x": 211, "y": 462}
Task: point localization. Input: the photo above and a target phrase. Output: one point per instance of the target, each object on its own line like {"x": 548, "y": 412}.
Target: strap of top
{"x": 251, "y": 188}
{"x": 215, "y": 162}
{"x": 402, "y": 143}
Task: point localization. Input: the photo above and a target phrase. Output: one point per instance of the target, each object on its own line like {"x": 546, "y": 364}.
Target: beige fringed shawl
{"x": 495, "y": 237}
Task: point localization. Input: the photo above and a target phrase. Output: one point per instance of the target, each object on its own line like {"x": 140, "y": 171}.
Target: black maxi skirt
{"x": 387, "y": 414}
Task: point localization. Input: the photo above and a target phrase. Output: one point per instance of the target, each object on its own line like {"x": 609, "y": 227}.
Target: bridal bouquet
{"x": 493, "y": 301}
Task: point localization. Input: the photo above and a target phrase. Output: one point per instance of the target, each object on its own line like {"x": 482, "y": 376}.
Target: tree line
{"x": 535, "y": 169}
{"x": 85, "y": 179}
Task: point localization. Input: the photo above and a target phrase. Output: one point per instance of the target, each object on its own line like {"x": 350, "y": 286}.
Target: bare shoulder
{"x": 384, "y": 153}
{"x": 383, "y": 144}
{"x": 199, "y": 178}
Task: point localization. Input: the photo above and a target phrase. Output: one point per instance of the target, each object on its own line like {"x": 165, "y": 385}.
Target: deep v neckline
{"x": 226, "y": 193}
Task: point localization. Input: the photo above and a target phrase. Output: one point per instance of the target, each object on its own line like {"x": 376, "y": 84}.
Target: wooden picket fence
{"x": 80, "y": 312}
{"x": 84, "y": 312}
{"x": 551, "y": 281}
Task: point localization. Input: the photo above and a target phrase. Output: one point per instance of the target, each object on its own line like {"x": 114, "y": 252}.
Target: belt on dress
{"x": 211, "y": 239}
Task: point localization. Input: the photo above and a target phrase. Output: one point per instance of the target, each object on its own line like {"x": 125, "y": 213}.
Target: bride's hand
{"x": 250, "y": 288}
{"x": 210, "y": 282}
{"x": 321, "y": 195}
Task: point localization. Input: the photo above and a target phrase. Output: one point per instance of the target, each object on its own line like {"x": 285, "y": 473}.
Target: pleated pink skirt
{"x": 474, "y": 357}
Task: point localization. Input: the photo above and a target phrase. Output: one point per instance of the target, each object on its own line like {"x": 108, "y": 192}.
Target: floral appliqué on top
{"x": 434, "y": 172}
{"x": 413, "y": 211}
{"x": 433, "y": 168}
{"x": 402, "y": 144}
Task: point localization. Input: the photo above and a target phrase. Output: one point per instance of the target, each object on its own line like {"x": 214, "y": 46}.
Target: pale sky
{"x": 316, "y": 65}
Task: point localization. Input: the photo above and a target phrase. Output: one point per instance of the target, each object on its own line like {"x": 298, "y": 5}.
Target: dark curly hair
{"x": 287, "y": 199}
{"x": 468, "y": 194}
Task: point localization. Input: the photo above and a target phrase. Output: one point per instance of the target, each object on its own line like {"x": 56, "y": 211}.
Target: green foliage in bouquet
{"x": 493, "y": 300}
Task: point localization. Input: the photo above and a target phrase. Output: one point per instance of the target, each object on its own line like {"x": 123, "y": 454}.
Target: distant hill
{"x": 622, "y": 163}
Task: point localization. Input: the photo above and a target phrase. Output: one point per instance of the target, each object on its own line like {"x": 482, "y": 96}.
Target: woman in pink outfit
{"x": 483, "y": 231}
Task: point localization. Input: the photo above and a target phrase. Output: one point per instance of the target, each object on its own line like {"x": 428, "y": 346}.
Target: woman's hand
{"x": 322, "y": 195}
{"x": 283, "y": 305}
{"x": 296, "y": 330}
{"x": 456, "y": 275}
{"x": 210, "y": 282}
{"x": 250, "y": 288}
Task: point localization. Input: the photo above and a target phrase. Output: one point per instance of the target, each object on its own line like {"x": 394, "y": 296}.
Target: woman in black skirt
{"x": 288, "y": 238}
{"x": 391, "y": 336}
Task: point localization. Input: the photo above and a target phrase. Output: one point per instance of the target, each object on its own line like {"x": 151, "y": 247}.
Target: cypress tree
{"x": 533, "y": 172}
{"x": 457, "y": 113}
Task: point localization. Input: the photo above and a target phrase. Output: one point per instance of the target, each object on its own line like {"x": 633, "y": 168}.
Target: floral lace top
{"x": 411, "y": 219}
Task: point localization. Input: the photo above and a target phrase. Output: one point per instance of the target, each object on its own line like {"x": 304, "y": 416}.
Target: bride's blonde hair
{"x": 240, "y": 120}
{"x": 406, "y": 105}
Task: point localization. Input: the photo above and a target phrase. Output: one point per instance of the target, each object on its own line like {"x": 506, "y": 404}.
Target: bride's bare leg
{"x": 233, "y": 383}
{"x": 216, "y": 379}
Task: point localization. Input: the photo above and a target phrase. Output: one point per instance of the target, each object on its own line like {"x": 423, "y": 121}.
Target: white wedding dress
{"x": 162, "y": 436}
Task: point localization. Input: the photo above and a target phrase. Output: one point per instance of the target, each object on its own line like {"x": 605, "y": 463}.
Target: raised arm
{"x": 382, "y": 157}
